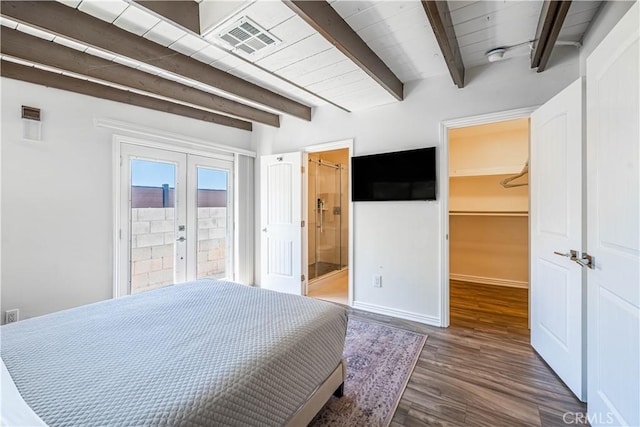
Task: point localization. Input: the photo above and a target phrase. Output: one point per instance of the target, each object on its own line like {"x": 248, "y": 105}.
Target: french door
{"x": 176, "y": 218}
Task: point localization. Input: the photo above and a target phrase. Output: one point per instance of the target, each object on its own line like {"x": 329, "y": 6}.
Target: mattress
{"x": 196, "y": 354}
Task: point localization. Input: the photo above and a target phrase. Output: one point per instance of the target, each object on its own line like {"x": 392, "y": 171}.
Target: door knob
{"x": 264, "y": 229}
{"x": 586, "y": 261}
{"x": 181, "y": 239}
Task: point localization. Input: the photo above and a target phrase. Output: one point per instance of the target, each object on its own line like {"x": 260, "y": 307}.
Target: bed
{"x": 208, "y": 353}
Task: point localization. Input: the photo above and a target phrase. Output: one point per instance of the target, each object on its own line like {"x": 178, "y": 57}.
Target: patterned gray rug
{"x": 380, "y": 359}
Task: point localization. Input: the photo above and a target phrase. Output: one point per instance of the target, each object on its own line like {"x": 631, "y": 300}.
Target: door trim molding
{"x": 115, "y": 232}
{"x": 443, "y": 178}
{"x": 336, "y": 145}
{"x": 175, "y": 140}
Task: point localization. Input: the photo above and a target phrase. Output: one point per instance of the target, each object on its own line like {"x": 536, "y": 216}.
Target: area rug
{"x": 380, "y": 359}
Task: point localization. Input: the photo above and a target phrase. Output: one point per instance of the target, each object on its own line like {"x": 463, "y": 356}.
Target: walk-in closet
{"x": 489, "y": 224}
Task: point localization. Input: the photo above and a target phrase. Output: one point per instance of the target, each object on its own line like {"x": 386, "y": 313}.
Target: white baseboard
{"x": 489, "y": 281}
{"x": 402, "y": 314}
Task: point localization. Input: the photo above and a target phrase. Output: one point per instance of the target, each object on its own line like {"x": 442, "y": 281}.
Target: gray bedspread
{"x": 207, "y": 353}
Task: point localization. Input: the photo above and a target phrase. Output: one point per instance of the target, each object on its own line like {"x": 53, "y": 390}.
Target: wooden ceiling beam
{"x": 58, "y": 19}
{"x": 325, "y": 20}
{"x": 550, "y": 23}
{"x": 25, "y": 73}
{"x": 184, "y": 13}
{"x": 33, "y": 49}
{"x": 440, "y": 19}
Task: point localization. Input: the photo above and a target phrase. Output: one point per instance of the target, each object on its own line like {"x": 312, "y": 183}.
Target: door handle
{"x": 572, "y": 255}
{"x": 586, "y": 261}
{"x": 264, "y": 229}
{"x": 181, "y": 239}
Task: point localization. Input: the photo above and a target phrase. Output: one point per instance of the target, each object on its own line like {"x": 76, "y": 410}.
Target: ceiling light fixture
{"x": 495, "y": 55}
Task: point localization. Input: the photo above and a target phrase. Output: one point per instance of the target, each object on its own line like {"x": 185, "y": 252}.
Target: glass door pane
{"x": 212, "y": 223}
{"x": 153, "y": 238}
{"x": 328, "y": 214}
{"x": 313, "y": 217}
{"x": 213, "y": 212}
{"x": 152, "y": 219}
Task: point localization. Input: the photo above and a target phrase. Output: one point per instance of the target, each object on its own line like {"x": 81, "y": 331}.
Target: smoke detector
{"x": 495, "y": 55}
{"x": 246, "y": 36}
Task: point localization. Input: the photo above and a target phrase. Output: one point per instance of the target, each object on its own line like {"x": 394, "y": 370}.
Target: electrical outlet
{"x": 12, "y": 315}
{"x": 377, "y": 280}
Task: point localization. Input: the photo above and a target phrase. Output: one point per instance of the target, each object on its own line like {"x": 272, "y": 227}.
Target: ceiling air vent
{"x": 247, "y": 36}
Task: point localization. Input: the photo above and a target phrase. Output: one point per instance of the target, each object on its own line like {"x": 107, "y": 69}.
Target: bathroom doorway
{"x": 328, "y": 225}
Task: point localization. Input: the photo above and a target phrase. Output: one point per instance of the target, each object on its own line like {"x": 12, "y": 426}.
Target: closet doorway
{"x": 489, "y": 226}
{"x": 328, "y": 225}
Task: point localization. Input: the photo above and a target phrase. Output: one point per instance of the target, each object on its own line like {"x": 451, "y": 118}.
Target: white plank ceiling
{"x": 484, "y": 25}
{"x": 399, "y": 33}
{"x": 306, "y": 67}
{"x": 304, "y": 58}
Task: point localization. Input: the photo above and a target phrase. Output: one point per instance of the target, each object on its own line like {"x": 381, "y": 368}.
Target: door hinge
{"x": 120, "y": 234}
{"x": 302, "y": 223}
{"x": 302, "y": 278}
{"x": 302, "y": 169}
{"x": 120, "y": 160}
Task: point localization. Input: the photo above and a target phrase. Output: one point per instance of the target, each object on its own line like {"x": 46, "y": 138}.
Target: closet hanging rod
{"x": 326, "y": 163}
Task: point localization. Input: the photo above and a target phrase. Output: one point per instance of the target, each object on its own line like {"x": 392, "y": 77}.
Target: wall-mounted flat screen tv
{"x": 401, "y": 175}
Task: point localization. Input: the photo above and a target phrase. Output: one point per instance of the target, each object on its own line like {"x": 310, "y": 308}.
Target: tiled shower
{"x": 328, "y": 212}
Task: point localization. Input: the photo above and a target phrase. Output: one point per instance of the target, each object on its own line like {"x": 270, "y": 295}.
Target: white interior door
{"x": 557, "y": 294}
{"x": 281, "y": 223}
{"x": 613, "y": 189}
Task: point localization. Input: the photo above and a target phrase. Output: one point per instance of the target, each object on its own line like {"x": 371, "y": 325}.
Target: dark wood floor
{"x": 481, "y": 371}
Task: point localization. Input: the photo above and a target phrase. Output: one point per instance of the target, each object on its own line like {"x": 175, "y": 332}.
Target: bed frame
{"x": 333, "y": 385}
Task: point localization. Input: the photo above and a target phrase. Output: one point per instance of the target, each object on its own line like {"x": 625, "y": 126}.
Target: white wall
{"x": 57, "y": 195}
{"x": 401, "y": 240}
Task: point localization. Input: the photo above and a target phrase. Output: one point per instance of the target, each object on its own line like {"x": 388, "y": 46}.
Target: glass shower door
{"x": 328, "y": 216}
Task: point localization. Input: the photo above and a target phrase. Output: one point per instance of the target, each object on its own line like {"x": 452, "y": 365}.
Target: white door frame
{"x": 443, "y": 178}
{"x": 336, "y": 145}
{"x": 176, "y": 146}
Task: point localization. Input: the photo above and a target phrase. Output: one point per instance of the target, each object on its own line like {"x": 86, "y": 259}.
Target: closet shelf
{"x": 489, "y": 213}
{"x": 502, "y": 170}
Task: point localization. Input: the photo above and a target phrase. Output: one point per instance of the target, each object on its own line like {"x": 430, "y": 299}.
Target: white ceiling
{"x": 484, "y": 25}
{"x": 399, "y": 33}
{"x": 305, "y": 66}
{"x": 305, "y": 58}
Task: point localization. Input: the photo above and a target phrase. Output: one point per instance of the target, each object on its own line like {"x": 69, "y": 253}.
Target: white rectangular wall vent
{"x": 247, "y": 36}
{"x": 31, "y": 124}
